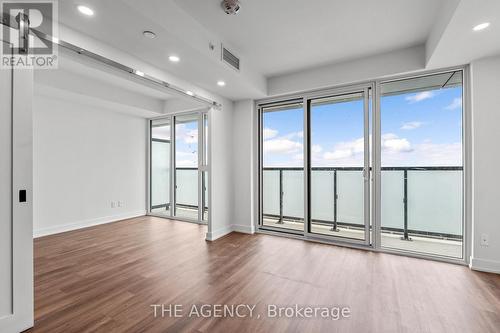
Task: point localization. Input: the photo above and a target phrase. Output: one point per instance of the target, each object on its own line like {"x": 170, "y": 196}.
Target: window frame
{"x": 375, "y": 234}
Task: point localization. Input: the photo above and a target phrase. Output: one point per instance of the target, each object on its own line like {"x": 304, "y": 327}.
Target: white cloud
{"x": 396, "y": 151}
{"x": 420, "y": 96}
{"x": 456, "y": 104}
{"x": 345, "y": 153}
{"x": 189, "y": 136}
{"x": 438, "y": 154}
{"x": 338, "y": 154}
{"x": 411, "y": 125}
{"x": 351, "y": 153}
{"x": 281, "y": 146}
{"x": 294, "y": 135}
{"x": 394, "y": 144}
{"x": 426, "y": 154}
{"x": 285, "y": 145}
{"x": 316, "y": 149}
{"x": 269, "y": 133}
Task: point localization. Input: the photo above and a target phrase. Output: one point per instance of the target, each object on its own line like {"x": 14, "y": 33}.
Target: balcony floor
{"x": 428, "y": 245}
{"x": 182, "y": 212}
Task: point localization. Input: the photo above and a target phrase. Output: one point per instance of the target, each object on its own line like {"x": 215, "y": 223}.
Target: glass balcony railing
{"x": 416, "y": 201}
{"x": 186, "y": 193}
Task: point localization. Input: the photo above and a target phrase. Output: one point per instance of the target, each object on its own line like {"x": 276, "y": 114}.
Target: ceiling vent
{"x": 231, "y": 7}
{"x": 230, "y": 59}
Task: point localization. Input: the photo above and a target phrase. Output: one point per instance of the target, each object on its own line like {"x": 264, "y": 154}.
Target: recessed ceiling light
{"x": 221, "y": 83}
{"x": 190, "y": 93}
{"x": 149, "y": 34}
{"x": 139, "y": 73}
{"x": 481, "y": 26}
{"x": 85, "y": 10}
{"x": 174, "y": 58}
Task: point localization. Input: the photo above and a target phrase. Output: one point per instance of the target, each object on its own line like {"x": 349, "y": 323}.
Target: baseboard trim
{"x": 246, "y": 229}
{"x": 85, "y": 224}
{"x": 485, "y": 265}
{"x": 214, "y": 235}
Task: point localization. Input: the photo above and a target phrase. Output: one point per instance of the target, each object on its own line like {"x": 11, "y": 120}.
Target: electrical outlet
{"x": 113, "y": 205}
{"x": 120, "y": 203}
{"x": 485, "y": 240}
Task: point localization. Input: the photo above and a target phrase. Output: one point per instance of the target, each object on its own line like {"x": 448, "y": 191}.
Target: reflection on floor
{"x": 182, "y": 212}
{"x": 442, "y": 247}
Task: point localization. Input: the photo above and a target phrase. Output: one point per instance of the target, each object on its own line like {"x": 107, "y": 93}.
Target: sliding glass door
{"x": 186, "y": 166}
{"x": 315, "y": 166}
{"x": 282, "y": 175}
{"x": 422, "y": 165}
{"x": 160, "y": 167}
{"x": 378, "y": 164}
{"x": 339, "y": 166}
{"x": 179, "y": 167}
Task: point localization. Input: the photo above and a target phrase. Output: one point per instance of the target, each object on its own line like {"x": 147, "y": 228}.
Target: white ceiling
{"x": 459, "y": 44}
{"x": 120, "y": 23}
{"x": 278, "y": 37}
{"x": 282, "y": 36}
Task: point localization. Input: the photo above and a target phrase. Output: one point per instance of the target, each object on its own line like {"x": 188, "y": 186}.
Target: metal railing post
{"x": 335, "y": 197}
{"x": 281, "y": 198}
{"x": 405, "y": 201}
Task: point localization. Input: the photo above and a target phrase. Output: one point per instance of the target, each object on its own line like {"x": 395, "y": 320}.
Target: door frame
{"x": 375, "y": 243}
{"x": 203, "y": 164}
{"x": 305, "y": 99}
{"x": 365, "y": 90}
{"x": 22, "y": 296}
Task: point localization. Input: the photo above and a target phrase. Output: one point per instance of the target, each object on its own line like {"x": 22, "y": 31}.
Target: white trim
{"x": 214, "y": 235}
{"x": 485, "y": 265}
{"x": 243, "y": 228}
{"x": 85, "y": 223}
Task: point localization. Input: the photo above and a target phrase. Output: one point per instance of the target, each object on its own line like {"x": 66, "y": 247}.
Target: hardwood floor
{"x": 106, "y": 278}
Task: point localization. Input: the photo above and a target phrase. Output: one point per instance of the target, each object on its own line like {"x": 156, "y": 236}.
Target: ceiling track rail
{"x": 137, "y": 74}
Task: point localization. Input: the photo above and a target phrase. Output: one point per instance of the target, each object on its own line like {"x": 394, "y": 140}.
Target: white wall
{"x": 486, "y": 159}
{"x": 84, "y": 158}
{"x": 221, "y": 169}
{"x": 244, "y": 143}
{"x": 351, "y": 71}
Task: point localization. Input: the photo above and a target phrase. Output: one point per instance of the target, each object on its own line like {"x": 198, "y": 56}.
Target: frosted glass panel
{"x": 350, "y": 201}
{"x": 187, "y": 187}
{"x": 160, "y": 173}
{"x": 160, "y": 166}
{"x": 435, "y": 201}
{"x": 271, "y": 192}
{"x": 392, "y": 199}
{"x": 323, "y": 196}
{"x": 293, "y": 193}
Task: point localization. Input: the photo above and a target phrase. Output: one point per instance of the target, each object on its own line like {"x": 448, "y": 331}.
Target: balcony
{"x": 186, "y": 193}
{"x": 421, "y": 206}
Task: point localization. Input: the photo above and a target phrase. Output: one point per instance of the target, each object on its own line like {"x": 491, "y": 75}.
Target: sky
{"x": 186, "y": 139}
{"x": 418, "y": 129}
